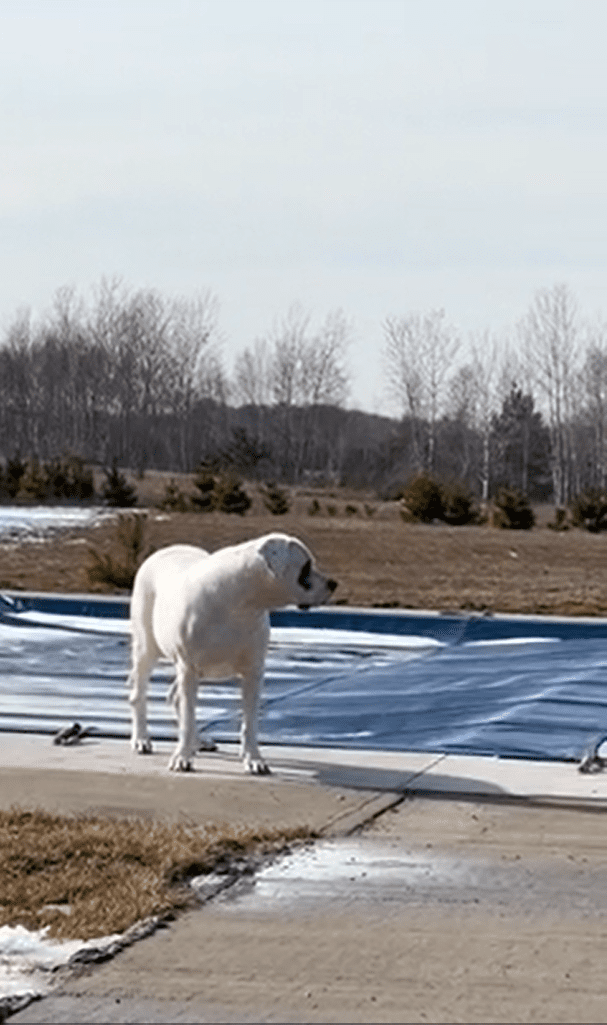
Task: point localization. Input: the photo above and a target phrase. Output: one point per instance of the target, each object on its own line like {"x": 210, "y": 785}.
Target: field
{"x": 378, "y": 559}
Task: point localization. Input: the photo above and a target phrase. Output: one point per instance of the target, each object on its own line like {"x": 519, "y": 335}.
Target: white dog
{"x": 209, "y": 614}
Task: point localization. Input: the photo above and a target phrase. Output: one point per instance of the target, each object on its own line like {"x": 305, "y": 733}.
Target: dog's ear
{"x": 275, "y": 551}
{"x": 282, "y": 553}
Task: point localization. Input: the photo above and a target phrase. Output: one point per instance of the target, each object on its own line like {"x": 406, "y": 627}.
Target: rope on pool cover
{"x": 333, "y": 678}
{"x": 590, "y": 760}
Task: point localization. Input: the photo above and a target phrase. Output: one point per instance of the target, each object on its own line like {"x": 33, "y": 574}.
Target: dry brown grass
{"x": 89, "y": 877}
{"x": 378, "y": 560}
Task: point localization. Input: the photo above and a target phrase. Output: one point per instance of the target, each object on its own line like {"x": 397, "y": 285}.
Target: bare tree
{"x": 65, "y": 364}
{"x": 133, "y": 375}
{"x": 307, "y": 367}
{"x": 418, "y": 355}
{"x": 288, "y": 342}
{"x": 325, "y": 382}
{"x": 131, "y": 329}
{"x": 297, "y": 370}
{"x": 324, "y": 378}
{"x": 17, "y": 424}
{"x": 491, "y": 367}
{"x": 163, "y": 357}
{"x": 550, "y": 336}
{"x": 194, "y": 369}
{"x": 593, "y": 381}
{"x": 252, "y": 385}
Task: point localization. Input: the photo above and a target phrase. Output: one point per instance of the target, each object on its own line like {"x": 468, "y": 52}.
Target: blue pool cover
{"x": 515, "y": 687}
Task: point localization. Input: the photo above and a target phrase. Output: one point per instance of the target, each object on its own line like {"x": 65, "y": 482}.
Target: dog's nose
{"x": 332, "y": 585}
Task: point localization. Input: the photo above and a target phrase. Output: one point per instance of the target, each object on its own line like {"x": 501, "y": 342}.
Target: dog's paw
{"x": 179, "y": 763}
{"x": 257, "y": 767}
{"x": 143, "y": 747}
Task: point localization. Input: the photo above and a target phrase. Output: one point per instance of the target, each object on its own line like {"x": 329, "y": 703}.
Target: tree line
{"x": 137, "y": 378}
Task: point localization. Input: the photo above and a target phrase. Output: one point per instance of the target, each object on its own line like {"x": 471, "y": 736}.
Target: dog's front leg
{"x": 249, "y": 750}
{"x": 185, "y": 691}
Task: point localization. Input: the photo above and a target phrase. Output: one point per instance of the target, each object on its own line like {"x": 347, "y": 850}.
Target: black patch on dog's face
{"x": 304, "y": 577}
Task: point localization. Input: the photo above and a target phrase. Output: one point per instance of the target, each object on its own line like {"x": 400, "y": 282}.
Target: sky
{"x": 382, "y": 157}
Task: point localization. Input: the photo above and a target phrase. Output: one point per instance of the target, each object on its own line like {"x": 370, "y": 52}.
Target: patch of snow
{"x": 80, "y": 624}
{"x": 29, "y": 959}
{"x": 20, "y": 522}
{"x": 348, "y": 639}
{"x": 498, "y": 642}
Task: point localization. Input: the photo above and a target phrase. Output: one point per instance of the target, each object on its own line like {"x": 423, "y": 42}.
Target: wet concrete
{"x": 359, "y": 874}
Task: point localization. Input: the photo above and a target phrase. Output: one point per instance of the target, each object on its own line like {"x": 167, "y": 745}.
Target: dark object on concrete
{"x": 591, "y": 760}
{"x": 73, "y": 734}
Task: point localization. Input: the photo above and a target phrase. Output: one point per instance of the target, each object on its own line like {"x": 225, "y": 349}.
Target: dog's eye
{"x": 303, "y": 580}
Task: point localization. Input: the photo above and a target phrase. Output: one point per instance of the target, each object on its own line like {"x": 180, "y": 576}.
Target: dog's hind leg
{"x": 184, "y": 692}
{"x": 144, "y": 653}
{"x": 143, "y": 663}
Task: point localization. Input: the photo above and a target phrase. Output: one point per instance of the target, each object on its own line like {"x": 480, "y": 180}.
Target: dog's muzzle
{"x": 331, "y": 587}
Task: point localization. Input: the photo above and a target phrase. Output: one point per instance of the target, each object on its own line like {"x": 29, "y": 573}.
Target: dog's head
{"x": 292, "y": 566}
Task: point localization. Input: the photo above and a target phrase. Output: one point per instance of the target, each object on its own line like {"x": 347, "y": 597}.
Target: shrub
{"x": 221, "y": 491}
{"x": 275, "y": 499}
{"x": 174, "y": 500}
{"x": 68, "y": 479}
{"x": 560, "y": 520}
{"x": 57, "y": 480}
{"x": 35, "y": 483}
{"x": 512, "y": 510}
{"x": 230, "y": 497}
{"x": 80, "y": 480}
{"x": 118, "y": 567}
{"x": 117, "y": 492}
{"x": 204, "y": 481}
{"x": 10, "y": 479}
{"x": 405, "y": 515}
{"x": 589, "y": 510}
{"x": 422, "y": 498}
{"x": 351, "y": 510}
{"x": 458, "y": 504}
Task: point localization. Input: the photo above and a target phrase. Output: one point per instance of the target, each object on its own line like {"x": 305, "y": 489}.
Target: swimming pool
{"x": 508, "y": 686}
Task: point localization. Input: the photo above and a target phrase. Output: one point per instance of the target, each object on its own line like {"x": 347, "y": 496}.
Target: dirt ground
{"x": 379, "y": 560}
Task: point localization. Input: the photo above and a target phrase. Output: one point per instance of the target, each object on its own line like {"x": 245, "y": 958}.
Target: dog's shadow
{"x": 360, "y": 777}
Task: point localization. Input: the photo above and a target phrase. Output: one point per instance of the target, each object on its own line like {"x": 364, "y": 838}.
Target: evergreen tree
{"x": 521, "y": 446}
{"x": 116, "y": 491}
{"x": 275, "y": 499}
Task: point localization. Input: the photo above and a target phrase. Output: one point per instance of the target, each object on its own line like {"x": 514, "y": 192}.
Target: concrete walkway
{"x": 216, "y": 964}
{"x": 23, "y": 756}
